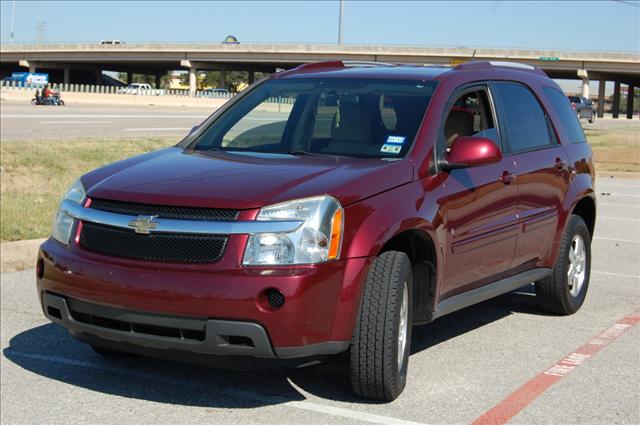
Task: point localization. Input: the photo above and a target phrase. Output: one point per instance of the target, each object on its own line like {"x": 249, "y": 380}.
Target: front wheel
{"x": 592, "y": 118}
{"x": 381, "y": 341}
{"x": 565, "y": 290}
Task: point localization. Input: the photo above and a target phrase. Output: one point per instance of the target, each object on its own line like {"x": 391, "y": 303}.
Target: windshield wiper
{"x": 301, "y": 153}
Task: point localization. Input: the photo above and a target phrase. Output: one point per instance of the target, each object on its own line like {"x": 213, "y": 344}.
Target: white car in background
{"x": 140, "y": 89}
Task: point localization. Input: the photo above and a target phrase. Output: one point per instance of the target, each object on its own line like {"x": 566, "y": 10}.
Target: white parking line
{"x": 632, "y": 276}
{"x": 606, "y": 204}
{"x": 598, "y": 238}
{"x": 231, "y": 392}
{"x": 606, "y": 217}
{"x": 626, "y": 195}
{"x": 159, "y": 129}
{"x": 600, "y": 184}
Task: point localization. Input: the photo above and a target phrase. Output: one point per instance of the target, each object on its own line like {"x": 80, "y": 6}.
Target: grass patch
{"x": 34, "y": 175}
{"x": 615, "y": 149}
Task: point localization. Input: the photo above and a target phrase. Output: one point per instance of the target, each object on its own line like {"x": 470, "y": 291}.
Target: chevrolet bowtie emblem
{"x": 144, "y": 223}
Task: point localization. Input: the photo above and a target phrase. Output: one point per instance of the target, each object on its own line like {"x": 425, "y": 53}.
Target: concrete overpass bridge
{"x": 67, "y": 62}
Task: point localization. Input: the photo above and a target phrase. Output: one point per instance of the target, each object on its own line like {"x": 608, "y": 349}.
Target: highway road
{"x": 26, "y": 122}
{"x": 20, "y": 121}
{"x": 481, "y": 362}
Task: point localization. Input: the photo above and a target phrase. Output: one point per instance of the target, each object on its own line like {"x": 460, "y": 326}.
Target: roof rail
{"x": 366, "y": 63}
{"x": 341, "y": 64}
{"x": 502, "y": 64}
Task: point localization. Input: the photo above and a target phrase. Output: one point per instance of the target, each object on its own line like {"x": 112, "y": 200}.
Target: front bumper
{"x": 132, "y": 303}
{"x": 157, "y": 332}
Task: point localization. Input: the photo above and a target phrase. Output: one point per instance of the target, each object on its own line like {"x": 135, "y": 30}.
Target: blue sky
{"x": 592, "y": 25}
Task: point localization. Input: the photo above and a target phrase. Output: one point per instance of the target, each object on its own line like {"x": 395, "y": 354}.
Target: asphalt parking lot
{"x": 461, "y": 367}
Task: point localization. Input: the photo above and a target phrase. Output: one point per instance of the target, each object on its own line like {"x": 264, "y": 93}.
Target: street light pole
{"x": 13, "y": 14}
{"x": 340, "y": 23}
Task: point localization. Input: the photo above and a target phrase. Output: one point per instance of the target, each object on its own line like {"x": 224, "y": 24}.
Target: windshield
{"x": 363, "y": 118}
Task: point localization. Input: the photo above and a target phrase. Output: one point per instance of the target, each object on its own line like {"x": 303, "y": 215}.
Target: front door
{"x": 479, "y": 211}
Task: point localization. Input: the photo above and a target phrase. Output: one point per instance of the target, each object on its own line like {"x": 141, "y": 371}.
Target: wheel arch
{"x": 586, "y": 209}
{"x": 421, "y": 250}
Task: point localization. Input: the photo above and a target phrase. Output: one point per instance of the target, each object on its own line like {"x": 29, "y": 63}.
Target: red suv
{"x": 328, "y": 209}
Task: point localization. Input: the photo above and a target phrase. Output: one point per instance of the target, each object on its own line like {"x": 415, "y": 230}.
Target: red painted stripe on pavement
{"x": 523, "y": 396}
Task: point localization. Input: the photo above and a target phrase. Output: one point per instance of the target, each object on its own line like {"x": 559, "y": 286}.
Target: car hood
{"x": 242, "y": 181}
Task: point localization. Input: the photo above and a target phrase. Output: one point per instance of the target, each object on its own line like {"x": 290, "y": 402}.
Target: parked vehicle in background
{"x": 368, "y": 199}
{"x": 140, "y": 88}
{"x": 584, "y": 107}
{"x": 26, "y": 79}
{"x": 112, "y": 42}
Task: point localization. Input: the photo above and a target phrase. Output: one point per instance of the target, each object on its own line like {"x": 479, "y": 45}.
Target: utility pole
{"x": 13, "y": 15}
{"x": 340, "y": 22}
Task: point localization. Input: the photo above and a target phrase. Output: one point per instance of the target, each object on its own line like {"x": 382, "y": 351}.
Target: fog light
{"x": 271, "y": 299}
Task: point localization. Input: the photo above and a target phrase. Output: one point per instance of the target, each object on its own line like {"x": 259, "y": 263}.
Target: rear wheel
{"x": 565, "y": 290}
{"x": 381, "y": 341}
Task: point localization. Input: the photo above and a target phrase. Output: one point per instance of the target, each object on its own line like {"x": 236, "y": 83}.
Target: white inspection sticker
{"x": 391, "y": 148}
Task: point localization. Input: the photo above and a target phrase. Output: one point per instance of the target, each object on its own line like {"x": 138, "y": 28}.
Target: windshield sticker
{"x": 396, "y": 140}
{"x": 391, "y": 148}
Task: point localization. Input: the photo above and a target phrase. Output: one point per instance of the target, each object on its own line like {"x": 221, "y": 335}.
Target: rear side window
{"x": 525, "y": 120}
{"x": 565, "y": 112}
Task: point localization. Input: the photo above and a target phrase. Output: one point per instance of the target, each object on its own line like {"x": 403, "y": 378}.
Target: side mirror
{"x": 193, "y": 129}
{"x": 469, "y": 151}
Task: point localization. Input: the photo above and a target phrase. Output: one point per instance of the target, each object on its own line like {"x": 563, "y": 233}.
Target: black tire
{"x": 106, "y": 352}
{"x": 554, "y": 292}
{"x": 592, "y": 118}
{"x": 375, "y": 370}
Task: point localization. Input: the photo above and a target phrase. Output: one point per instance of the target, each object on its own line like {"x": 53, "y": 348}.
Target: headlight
{"x": 63, "y": 223}
{"x": 318, "y": 239}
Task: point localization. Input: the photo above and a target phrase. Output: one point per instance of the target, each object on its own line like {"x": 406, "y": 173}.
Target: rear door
{"x": 542, "y": 167}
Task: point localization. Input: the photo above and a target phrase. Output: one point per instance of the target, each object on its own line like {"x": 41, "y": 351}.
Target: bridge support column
{"x": 129, "y": 77}
{"x": 158, "y": 78}
{"x": 252, "y": 76}
{"x": 223, "y": 79}
{"x": 582, "y": 73}
{"x": 192, "y": 82}
{"x": 98, "y": 77}
{"x": 616, "y": 99}
{"x": 66, "y": 78}
{"x": 630, "y": 93}
{"x": 601, "y": 86}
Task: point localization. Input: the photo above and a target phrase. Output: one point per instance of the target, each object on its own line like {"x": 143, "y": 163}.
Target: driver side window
{"x": 470, "y": 115}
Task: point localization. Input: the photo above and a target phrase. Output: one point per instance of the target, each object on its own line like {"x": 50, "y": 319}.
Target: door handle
{"x": 560, "y": 164}
{"x": 507, "y": 177}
